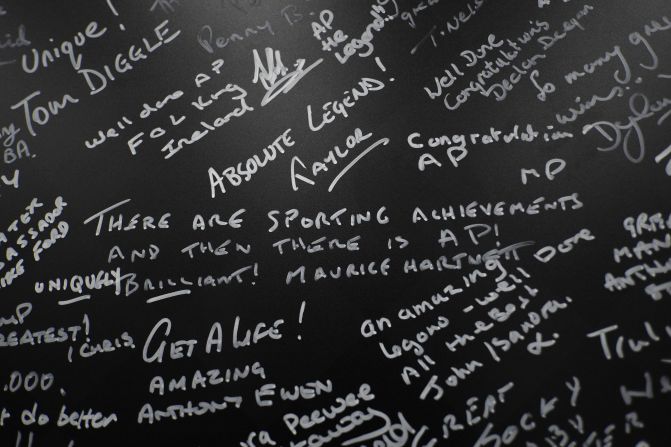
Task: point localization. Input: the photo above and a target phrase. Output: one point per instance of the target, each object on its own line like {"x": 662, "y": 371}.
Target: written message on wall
{"x": 304, "y": 223}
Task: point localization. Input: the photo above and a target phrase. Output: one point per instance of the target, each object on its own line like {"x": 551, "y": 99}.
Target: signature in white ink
{"x": 391, "y": 434}
{"x": 628, "y": 133}
{"x": 275, "y": 76}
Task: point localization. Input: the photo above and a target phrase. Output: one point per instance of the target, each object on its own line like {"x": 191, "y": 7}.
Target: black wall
{"x": 441, "y": 222}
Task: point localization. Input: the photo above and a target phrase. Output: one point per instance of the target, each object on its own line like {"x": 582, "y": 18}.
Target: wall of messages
{"x": 305, "y": 223}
